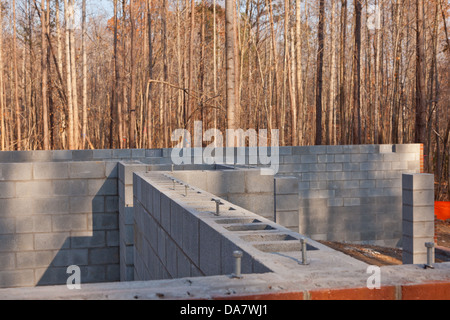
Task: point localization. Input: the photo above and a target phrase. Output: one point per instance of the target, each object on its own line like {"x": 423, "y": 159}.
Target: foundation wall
{"x": 53, "y": 215}
{"x": 61, "y": 208}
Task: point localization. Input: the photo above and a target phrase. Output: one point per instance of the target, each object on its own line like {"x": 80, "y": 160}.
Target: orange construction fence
{"x": 442, "y": 210}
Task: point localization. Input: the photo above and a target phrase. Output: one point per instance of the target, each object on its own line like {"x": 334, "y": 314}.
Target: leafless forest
{"x": 322, "y": 72}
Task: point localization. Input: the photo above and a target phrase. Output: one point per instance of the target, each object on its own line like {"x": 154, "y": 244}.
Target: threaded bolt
{"x": 304, "y": 243}
{"x": 237, "y": 266}
{"x": 430, "y": 255}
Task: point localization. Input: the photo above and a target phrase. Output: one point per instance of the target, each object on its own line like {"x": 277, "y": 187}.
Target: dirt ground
{"x": 381, "y": 256}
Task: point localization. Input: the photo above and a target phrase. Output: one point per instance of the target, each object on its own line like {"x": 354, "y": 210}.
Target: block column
{"x": 418, "y": 216}
{"x": 286, "y": 202}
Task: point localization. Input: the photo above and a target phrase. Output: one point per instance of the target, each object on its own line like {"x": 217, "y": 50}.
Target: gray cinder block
{"x": 87, "y": 170}
{"x": 210, "y": 243}
{"x": 153, "y": 153}
{"x": 72, "y": 222}
{"x": 418, "y": 198}
{"x": 7, "y": 225}
{"x": 308, "y": 159}
{"x": 16, "y": 278}
{"x": 49, "y": 241}
{"x": 257, "y": 183}
{"x": 16, "y": 171}
{"x": 190, "y": 237}
{"x": 88, "y": 239}
{"x": 121, "y": 154}
{"x": 407, "y": 148}
{"x": 34, "y": 188}
{"x": 418, "y": 181}
{"x": 7, "y": 190}
{"x": 287, "y": 185}
{"x": 103, "y": 256}
{"x": 101, "y": 154}
{"x": 82, "y": 155}
{"x": 102, "y": 187}
{"x": 65, "y": 258}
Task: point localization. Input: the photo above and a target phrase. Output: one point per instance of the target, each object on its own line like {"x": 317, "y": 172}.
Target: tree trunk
{"x": 190, "y": 103}
{"x": 293, "y": 92}
{"x": 69, "y": 77}
{"x": 44, "y": 77}
{"x": 319, "y": 79}
{"x": 150, "y": 75}
{"x": 83, "y": 49}
{"x": 16, "y": 84}
{"x": 274, "y": 92}
{"x": 356, "y": 125}
{"x": 123, "y": 103}
{"x": 49, "y": 80}
{"x": 378, "y": 73}
{"x": 333, "y": 66}
{"x": 165, "y": 74}
{"x": 215, "y": 65}
{"x": 230, "y": 35}
{"x": 298, "y": 47}
{"x": 132, "y": 106}
{"x": 288, "y": 78}
{"x": 342, "y": 68}
{"x": 421, "y": 105}
{"x": 2, "y": 106}
{"x": 76, "y": 129}
{"x": 113, "y": 134}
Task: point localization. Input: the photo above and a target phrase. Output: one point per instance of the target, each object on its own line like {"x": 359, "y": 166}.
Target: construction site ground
{"x": 383, "y": 256}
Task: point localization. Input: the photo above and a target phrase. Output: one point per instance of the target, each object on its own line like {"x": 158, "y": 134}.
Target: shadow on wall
{"x": 94, "y": 250}
{"x": 366, "y": 209}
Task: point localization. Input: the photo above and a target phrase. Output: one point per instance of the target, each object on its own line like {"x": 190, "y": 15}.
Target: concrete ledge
{"x": 398, "y": 283}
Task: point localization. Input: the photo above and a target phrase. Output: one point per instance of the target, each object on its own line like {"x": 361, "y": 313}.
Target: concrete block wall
{"x": 57, "y": 214}
{"x": 287, "y": 202}
{"x": 173, "y": 242}
{"x": 246, "y": 188}
{"x": 79, "y": 155}
{"x": 349, "y": 193}
{"x": 60, "y": 207}
{"x": 418, "y": 217}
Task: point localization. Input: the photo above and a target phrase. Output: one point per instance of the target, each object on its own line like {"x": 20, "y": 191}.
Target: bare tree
{"x": 331, "y": 127}
{"x": 378, "y": 71}
{"x": 44, "y": 76}
{"x": 84, "y": 76}
{"x": 150, "y": 73}
{"x": 2, "y": 105}
{"x": 190, "y": 103}
{"x": 298, "y": 50}
{"x": 342, "y": 69}
{"x": 288, "y": 78}
{"x": 319, "y": 79}
{"x": 421, "y": 109}
{"x": 73, "y": 69}
{"x": 230, "y": 30}
{"x": 132, "y": 106}
{"x": 69, "y": 76}
{"x": 356, "y": 111}
{"x": 16, "y": 80}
